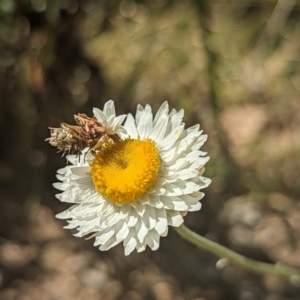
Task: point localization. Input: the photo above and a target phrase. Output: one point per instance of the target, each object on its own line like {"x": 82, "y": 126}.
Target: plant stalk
{"x": 238, "y": 259}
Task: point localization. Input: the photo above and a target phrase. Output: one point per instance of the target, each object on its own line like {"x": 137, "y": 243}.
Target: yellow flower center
{"x": 125, "y": 170}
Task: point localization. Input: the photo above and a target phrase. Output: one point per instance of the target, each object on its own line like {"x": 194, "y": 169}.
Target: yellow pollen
{"x": 125, "y": 170}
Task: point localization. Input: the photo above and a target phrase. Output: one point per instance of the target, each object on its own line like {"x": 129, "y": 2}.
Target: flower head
{"x": 129, "y": 190}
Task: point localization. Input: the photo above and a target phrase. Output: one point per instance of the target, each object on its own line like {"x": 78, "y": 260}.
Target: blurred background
{"x": 234, "y": 66}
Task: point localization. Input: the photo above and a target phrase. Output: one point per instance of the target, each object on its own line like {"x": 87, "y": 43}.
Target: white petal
{"x": 174, "y": 218}
{"x": 131, "y": 127}
{"x": 81, "y": 171}
{"x": 152, "y": 240}
{"x": 195, "y": 207}
{"x": 169, "y": 140}
{"x": 85, "y": 180}
{"x": 130, "y": 242}
{"x": 165, "y": 233}
{"x": 170, "y": 203}
{"x": 99, "y": 115}
{"x": 159, "y": 129}
{"x": 200, "y": 141}
{"x": 141, "y": 230}
{"x": 65, "y": 214}
{"x": 109, "y": 244}
{"x": 71, "y": 158}
{"x": 121, "y": 230}
{"x": 145, "y": 199}
{"x": 176, "y": 118}
{"x": 109, "y": 109}
{"x": 161, "y": 221}
{"x": 140, "y": 247}
{"x": 163, "y": 110}
{"x": 132, "y": 218}
{"x": 155, "y": 201}
{"x": 65, "y": 197}
{"x": 64, "y": 170}
{"x": 71, "y": 225}
{"x": 150, "y": 217}
{"x": 140, "y": 209}
{"x": 205, "y": 182}
{"x": 113, "y": 218}
{"x": 188, "y": 173}
{"x": 61, "y": 186}
{"x": 117, "y": 122}
{"x": 104, "y": 236}
{"x": 145, "y": 124}
{"x": 139, "y": 113}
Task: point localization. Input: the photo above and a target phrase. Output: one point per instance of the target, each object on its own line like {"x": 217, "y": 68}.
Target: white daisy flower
{"x": 130, "y": 191}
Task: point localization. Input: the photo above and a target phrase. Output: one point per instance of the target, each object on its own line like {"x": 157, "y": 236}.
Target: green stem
{"x": 238, "y": 259}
